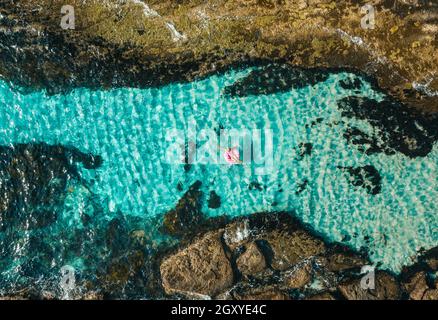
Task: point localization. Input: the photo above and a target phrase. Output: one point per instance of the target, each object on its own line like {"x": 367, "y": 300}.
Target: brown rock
{"x": 290, "y": 248}
{"x": 200, "y": 269}
{"x": 431, "y": 294}
{"x": 263, "y": 293}
{"x": 321, "y": 296}
{"x": 299, "y": 277}
{"x": 12, "y": 298}
{"x": 92, "y": 295}
{"x": 224, "y": 296}
{"x": 417, "y": 286}
{"x": 342, "y": 261}
{"x": 386, "y": 288}
{"x": 251, "y": 261}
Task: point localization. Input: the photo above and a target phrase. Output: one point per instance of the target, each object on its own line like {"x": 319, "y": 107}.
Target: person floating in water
{"x": 232, "y": 155}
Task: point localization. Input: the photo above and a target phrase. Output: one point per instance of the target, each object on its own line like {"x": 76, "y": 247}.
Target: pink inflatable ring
{"x": 232, "y": 156}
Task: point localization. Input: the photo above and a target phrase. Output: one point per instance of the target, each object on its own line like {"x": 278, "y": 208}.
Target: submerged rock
{"x": 187, "y": 213}
{"x": 201, "y": 269}
{"x": 366, "y": 177}
{"x": 304, "y": 149}
{"x": 275, "y": 78}
{"x": 33, "y": 181}
{"x": 398, "y": 128}
{"x": 351, "y": 84}
{"x": 302, "y": 186}
{"x": 254, "y": 185}
{"x": 214, "y": 201}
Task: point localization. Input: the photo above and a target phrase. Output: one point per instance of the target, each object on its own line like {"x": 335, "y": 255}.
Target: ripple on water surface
{"x": 132, "y": 129}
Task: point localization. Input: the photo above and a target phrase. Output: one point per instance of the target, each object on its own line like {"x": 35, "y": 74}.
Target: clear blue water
{"x": 128, "y": 128}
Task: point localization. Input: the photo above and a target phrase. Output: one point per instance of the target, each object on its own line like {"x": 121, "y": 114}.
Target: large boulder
{"x": 290, "y": 248}
{"x": 386, "y": 288}
{"x": 416, "y": 286}
{"x": 339, "y": 261}
{"x": 252, "y": 261}
{"x": 201, "y": 269}
{"x": 298, "y": 277}
{"x": 431, "y": 294}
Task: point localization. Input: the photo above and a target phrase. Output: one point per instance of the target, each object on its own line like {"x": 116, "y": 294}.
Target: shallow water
{"x": 134, "y": 129}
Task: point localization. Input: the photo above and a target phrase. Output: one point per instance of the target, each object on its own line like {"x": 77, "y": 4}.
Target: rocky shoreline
{"x": 274, "y": 256}
{"x": 267, "y": 255}
{"x": 130, "y": 43}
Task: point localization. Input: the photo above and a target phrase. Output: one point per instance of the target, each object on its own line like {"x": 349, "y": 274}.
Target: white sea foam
{"x": 176, "y": 35}
{"x": 147, "y": 11}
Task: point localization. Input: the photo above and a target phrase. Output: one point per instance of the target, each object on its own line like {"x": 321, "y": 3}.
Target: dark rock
{"x": 272, "y": 255}
{"x": 302, "y": 186}
{"x": 34, "y": 178}
{"x": 254, "y": 185}
{"x": 187, "y": 213}
{"x": 430, "y": 257}
{"x": 275, "y": 78}
{"x": 88, "y": 160}
{"x": 198, "y": 270}
{"x": 304, "y": 149}
{"x": 350, "y": 84}
{"x": 314, "y": 122}
{"x": 402, "y": 129}
{"x": 129, "y": 273}
{"x": 366, "y": 177}
{"x": 117, "y": 235}
{"x": 214, "y": 201}
{"x": 364, "y": 142}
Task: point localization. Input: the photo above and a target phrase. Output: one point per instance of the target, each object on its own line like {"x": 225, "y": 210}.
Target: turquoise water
{"x": 133, "y": 129}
